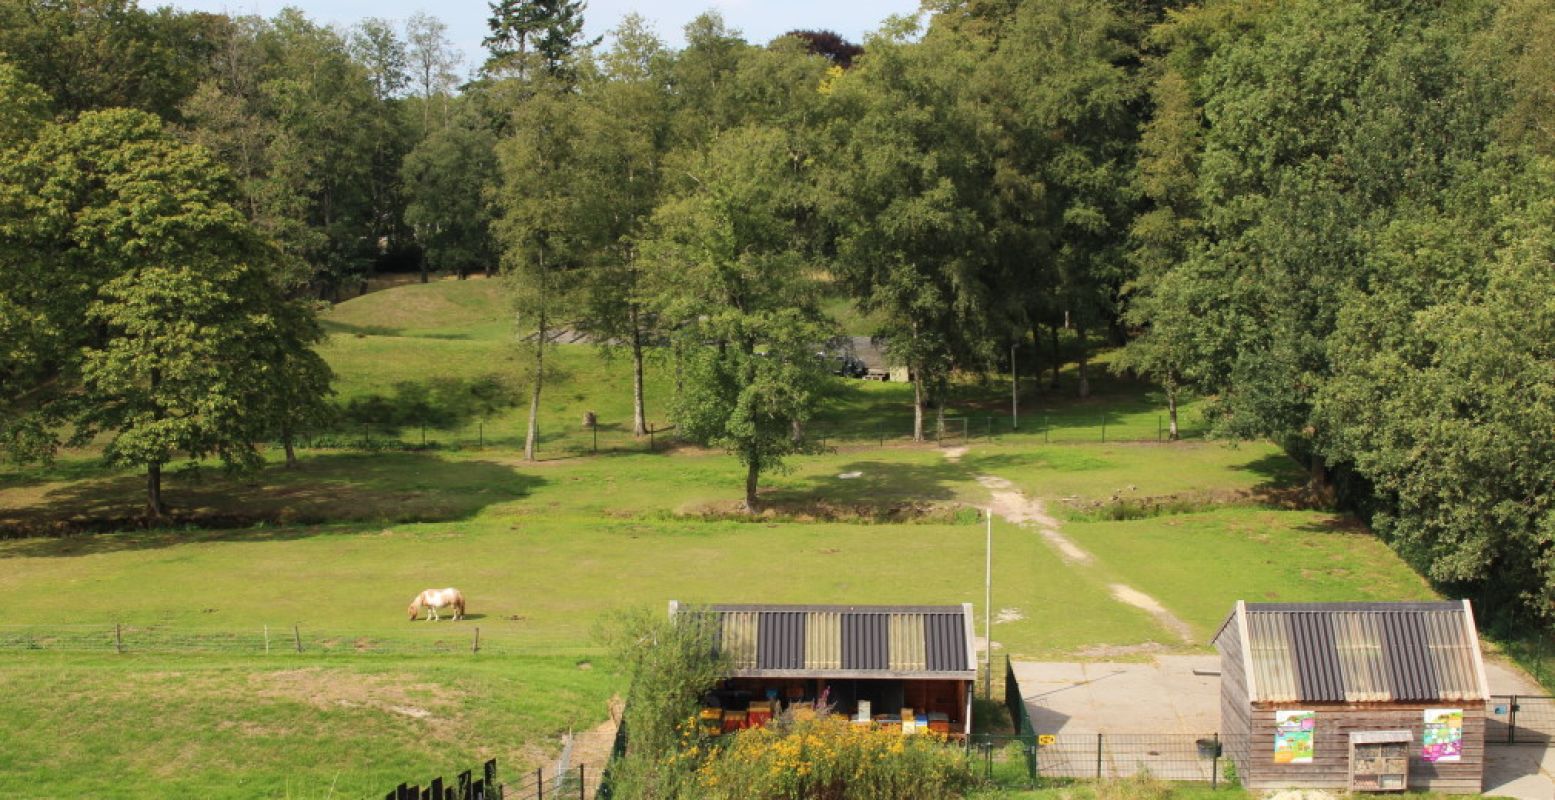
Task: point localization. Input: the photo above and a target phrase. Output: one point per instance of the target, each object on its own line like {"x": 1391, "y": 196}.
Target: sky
{"x": 759, "y": 20}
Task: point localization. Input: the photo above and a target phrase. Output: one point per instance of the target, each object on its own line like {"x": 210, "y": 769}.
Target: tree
{"x": 448, "y": 180}
{"x": 728, "y": 279}
{"x": 838, "y": 50}
{"x": 907, "y": 189}
{"x": 554, "y": 28}
{"x": 377, "y": 47}
{"x": 625, "y": 153}
{"x": 432, "y": 59}
{"x": 549, "y": 221}
{"x": 187, "y": 328}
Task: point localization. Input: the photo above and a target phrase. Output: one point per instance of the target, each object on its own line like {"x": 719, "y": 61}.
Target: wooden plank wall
{"x": 1331, "y": 747}
{"x": 1235, "y": 714}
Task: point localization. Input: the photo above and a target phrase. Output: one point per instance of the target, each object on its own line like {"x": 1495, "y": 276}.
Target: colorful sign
{"x": 1293, "y": 736}
{"x": 1443, "y": 735}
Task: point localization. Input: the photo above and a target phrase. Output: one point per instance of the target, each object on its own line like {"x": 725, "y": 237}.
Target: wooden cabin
{"x": 1353, "y": 696}
{"x": 906, "y": 667}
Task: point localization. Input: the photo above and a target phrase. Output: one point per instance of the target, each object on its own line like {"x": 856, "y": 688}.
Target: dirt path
{"x": 1009, "y": 503}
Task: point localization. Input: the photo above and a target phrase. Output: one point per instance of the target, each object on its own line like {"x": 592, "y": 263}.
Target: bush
{"x": 829, "y": 759}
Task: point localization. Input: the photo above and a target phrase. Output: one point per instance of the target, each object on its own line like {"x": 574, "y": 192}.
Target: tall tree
{"x": 727, "y": 271}
{"x": 449, "y": 178}
{"x": 907, "y": 186}
{"x": 187, "y": 326}
{"x": 625, "y": 154}
{"x": 549, "y": 221}
{"x": 432, "y": 61}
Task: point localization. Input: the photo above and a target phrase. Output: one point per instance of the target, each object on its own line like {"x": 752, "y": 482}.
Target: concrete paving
{"x": 1163, "y": 696}
{"x": 1181, "y": 695}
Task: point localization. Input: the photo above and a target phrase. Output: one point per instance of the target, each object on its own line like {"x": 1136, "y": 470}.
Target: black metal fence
{"x": 464, "y": 787}
{"x": 1520, "y": 719}
{"x": 1105, "y": 756}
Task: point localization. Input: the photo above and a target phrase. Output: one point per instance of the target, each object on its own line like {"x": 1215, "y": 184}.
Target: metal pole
{"x": 1511, "y": 725}
{"x": 1098, "y": 756}
{"x": 988, "y": 608}
{"x": 1214, "y": 765}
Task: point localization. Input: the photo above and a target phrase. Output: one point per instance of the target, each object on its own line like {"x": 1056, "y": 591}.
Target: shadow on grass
{"x": 878, "y": 492}
{"x": 334, "y": 488}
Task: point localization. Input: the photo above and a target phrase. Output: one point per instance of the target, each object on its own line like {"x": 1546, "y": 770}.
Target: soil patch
{"x": 898, "y": 512}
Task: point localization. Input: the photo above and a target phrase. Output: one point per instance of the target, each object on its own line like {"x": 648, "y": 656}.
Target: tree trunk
{"x": 155, "y": 510}
{"x": 639, "y": 414}
{"x": 752, "y": 473}
{"x": 1085, "y": 381}
{"x": 423, "y": 261}
{"x": 1171, "y": 413}
{"x": 939, "y": 421}
{"x": 1317, "y": 479}
{"x": 532, "y": 436}
{"x": 917, "y": 405}
{"x": 286, "y": 442}
{"x": 1058, "y": 361}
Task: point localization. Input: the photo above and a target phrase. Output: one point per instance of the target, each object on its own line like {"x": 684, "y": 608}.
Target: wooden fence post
{"x": 118, "y": 636}
{"x": 297, "y": 637}
{"x": 540, "y": 783}
{"x": 464, "y": 785}
{"x": 581, "y": 784}
{"x": 267, "y": 640}
{"x": 476, "y": 647}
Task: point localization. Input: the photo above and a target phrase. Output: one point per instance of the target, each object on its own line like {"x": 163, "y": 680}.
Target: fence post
{"x": 540, "y": 783}
{"x": 423, "y": 434}
{"x": 1511, "y": 725}
{"x": 1044, "y": 429}
{"x": 650, "y": 438}
{"x": 1214, "y": 764}
{"x": 581, "y": 783}
{"x": 880, "y": 431}
{"x": 464, "y": 785}
{"x": 480, "y": 433}
{"x": 267, "y": 640}
{"x": 476, "y": 647}
{"x": 118, "y": 637}
{"x": 1158, "y": 427}
{"x": 1098, "y": 756}
{"x": 297, "y": 636}
{"x": 595, "y": 429}
{"x": 1104, "y": 428}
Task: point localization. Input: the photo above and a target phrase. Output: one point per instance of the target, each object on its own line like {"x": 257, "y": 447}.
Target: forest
{"x": 1333, "y": 220}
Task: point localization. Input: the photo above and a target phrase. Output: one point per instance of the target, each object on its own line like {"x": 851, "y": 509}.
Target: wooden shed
{"x": 1353, "y": 696}
{"x": 906, "y": 666}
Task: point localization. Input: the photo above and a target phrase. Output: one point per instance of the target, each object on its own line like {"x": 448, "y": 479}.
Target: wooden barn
{"x": 1353, "y": 696}
{"x": 907, "y": 667}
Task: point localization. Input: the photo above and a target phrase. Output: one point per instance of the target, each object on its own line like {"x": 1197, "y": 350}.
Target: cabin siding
{"x": 1330, "y": 767}
{"x": 1235, "y": 714}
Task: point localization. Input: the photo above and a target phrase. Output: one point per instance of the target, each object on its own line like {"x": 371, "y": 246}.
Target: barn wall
{"x": 1331, "y": 747}
{"x": 1235, "y": 714}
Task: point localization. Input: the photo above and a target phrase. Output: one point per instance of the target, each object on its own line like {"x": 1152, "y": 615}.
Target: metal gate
{"x": 1520, "y": 719}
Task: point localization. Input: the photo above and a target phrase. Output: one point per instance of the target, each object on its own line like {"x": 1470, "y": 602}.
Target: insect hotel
{"x": 1364, "y": 697}
{"x": 907, "y": 668}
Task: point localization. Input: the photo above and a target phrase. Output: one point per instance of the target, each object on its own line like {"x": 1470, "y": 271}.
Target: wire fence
{"x": 434, "y": 638}
{"x": 1066, "y": 426}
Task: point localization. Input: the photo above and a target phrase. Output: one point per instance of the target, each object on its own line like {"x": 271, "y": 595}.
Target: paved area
{"x": 1181, "y": 695}
{"x": 1163, "y": 696}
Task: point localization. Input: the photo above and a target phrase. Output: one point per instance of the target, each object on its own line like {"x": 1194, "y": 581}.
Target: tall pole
{"x": 988, "y": 609}
{"x": 1014, "y": 392}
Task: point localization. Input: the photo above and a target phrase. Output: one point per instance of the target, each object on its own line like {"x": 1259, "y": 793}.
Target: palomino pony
{"x": 434, "y": 599}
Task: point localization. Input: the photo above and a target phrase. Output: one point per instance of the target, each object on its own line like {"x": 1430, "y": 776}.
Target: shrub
{"x": 830, "y": 759}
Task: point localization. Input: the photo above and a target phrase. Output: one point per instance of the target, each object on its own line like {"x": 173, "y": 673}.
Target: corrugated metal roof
{"x": 1359, "y": 652}
{"x": 846, "y": 641}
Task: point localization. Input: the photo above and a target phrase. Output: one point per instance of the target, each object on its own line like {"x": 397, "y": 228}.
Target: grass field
{"x": 544, "y": 551}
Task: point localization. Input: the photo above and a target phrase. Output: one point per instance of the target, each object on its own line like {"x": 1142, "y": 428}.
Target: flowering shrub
{"x": 829, "y": 759}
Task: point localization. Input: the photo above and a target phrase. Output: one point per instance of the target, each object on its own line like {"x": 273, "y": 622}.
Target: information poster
{"x": 1293, "y": 736}
{"x": 1443, "y": 735}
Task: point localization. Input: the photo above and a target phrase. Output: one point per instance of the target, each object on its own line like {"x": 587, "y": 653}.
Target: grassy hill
{"x": 545, "y": 551}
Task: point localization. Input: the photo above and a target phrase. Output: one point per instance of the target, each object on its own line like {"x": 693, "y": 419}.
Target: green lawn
{"x": 338, "y": 547}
